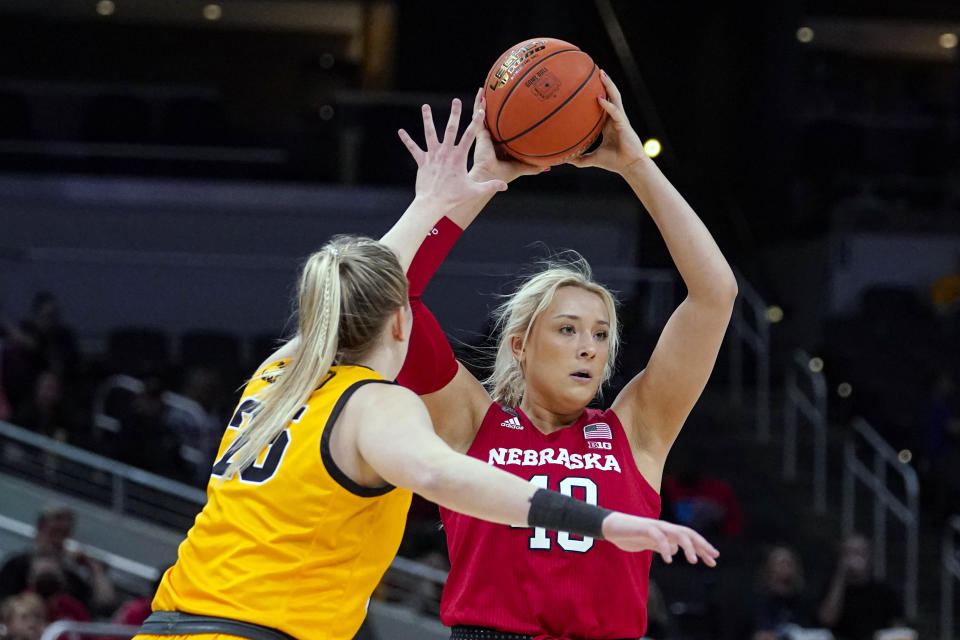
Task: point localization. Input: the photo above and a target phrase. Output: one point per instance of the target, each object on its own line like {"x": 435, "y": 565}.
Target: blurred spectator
{"x": 5, "y": 409}
{"x": 47, "y": 412}
{"x": 23, "y": 617}
{"x": 39, "y": 343}
{"x": 85, "y": 578}
{"x": 780, "y": 600}
{"x": 146, "y": 439}
{"x": 199, "y": 428}
{"x": 945, "y": 292}
{"x": 47, "y": 579}
{"x": 941, "y": 427}
{"x": 855, "y": 604}
{"x": 702, "y": 502}
{"x": 659, "y": 623}
{"x": 134, "y": 611}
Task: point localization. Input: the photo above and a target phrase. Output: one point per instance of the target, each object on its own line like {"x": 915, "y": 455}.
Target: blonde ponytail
{"x": 319, "y": 294}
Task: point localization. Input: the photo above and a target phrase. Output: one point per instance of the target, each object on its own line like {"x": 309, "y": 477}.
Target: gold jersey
{"x": 291, "y": 543}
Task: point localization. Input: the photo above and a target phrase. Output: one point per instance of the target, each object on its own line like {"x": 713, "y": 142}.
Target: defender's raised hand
{"x": 442, "y": 168}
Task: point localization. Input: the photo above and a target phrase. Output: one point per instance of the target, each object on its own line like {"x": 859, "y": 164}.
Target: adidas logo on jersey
{"x": 512, "y": 423}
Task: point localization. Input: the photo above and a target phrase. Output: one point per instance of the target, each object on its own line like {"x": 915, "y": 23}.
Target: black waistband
{"x": 467, "y": 632}
{"x": 176, "y": 623}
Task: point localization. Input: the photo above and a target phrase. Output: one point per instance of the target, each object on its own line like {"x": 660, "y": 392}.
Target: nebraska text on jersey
{"x": 535, "y": 458}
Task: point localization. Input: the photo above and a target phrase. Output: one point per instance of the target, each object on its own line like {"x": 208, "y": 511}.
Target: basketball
{"x": 541, "y": 97}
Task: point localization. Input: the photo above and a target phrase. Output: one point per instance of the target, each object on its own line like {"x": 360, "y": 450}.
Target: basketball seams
{"x": 517, "y": 83}
{"x": 566, "y": 101}
{"x": 591, "y": 133}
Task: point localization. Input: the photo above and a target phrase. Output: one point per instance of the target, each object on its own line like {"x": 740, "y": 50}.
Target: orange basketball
{"x": 542, "y": 101}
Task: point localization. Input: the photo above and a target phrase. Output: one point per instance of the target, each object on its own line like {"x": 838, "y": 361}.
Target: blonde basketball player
{"x": 308, "y": 497}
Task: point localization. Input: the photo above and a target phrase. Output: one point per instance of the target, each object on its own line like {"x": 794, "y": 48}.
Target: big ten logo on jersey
{"x": 593, "y": 444}
{"x": 268, "y": 461}
{"x": 580, "y": 488}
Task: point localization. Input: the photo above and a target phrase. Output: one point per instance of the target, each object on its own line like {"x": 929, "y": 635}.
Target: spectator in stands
{"x": 135, "y": 611}
{"x": 945, "y": 292}
{"x": 780, "y": 599}
{"x": 938, "y": 453}
{"x": 47, "y": 412}
{"x": 39, "y": 343}
{"x": 5, "y": 409}
{"x": 47, "y": 579}
{"x": 199, "y": 431}
{"x": 86, "y": 579}
{"x": 53, "y": 341}
{"x": 22, "y": 617}
{"x": 856, "y": 604}
{"x": 701, "y": 501}
{"x": 659, "y": 622}
{"x": 147, "y": 440}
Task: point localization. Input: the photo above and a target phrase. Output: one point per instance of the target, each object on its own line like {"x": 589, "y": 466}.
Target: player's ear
{"x": 516, "y": 346}
{"x": 397, "y": 323}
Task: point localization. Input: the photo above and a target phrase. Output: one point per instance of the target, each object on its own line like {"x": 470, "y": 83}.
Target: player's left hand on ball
{"x": 633, "y": 533}
{"x": 488, "y": 163}
{"x": 621, "y": 146}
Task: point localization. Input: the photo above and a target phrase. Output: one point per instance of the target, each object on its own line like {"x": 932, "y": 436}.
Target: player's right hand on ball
{"x": 633, "y": 533}
{"x": 487, "y": 163}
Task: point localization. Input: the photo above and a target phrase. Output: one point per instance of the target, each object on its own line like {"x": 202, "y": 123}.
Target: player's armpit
{"x": 458, "y": 409}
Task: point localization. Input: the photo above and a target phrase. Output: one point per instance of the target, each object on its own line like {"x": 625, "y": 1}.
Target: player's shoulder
{"x": 266, "y": 374}
{"x": 608, "y": 415}
{"x": 377, "y": 396}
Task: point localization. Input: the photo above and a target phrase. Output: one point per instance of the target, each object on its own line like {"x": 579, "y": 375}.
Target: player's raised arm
{"x": 655, "y": 404}
{"x": 421, "y": 238}
{"x": 443, "y": 185}
{"x": 394, "y": 437}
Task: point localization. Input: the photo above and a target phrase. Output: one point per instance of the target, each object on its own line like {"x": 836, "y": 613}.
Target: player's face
{"x": 567, "y": 350}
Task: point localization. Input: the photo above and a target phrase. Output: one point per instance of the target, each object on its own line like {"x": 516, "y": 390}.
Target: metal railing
{"x": 188, "y": 413}
{"x": 811, "y": 404}
{"x": 413, "y": 584}
{"x": 873, "y": 474}
{"x": 103, "y": 481}
{"x": 106, "y": 482}
{"x": 115, "y": 562}
{"x": 72, "y": 629}
{"x": 949, "y": 572}
{"x": 755, "y": 336}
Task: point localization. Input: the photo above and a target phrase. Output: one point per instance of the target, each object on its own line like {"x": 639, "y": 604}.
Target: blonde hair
{"x": 516, "y": 316}
{"x": 28, "y": 601}
{"x": 347, "y": 291}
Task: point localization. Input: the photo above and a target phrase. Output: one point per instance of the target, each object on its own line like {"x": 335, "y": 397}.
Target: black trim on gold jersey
{"x": 335, "y": 472}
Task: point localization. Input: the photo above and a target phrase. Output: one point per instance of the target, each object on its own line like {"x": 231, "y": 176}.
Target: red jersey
{"x": 533, "y": 581}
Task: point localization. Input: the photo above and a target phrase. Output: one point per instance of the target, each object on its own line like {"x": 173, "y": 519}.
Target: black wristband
{"x": 551, "y": 510}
